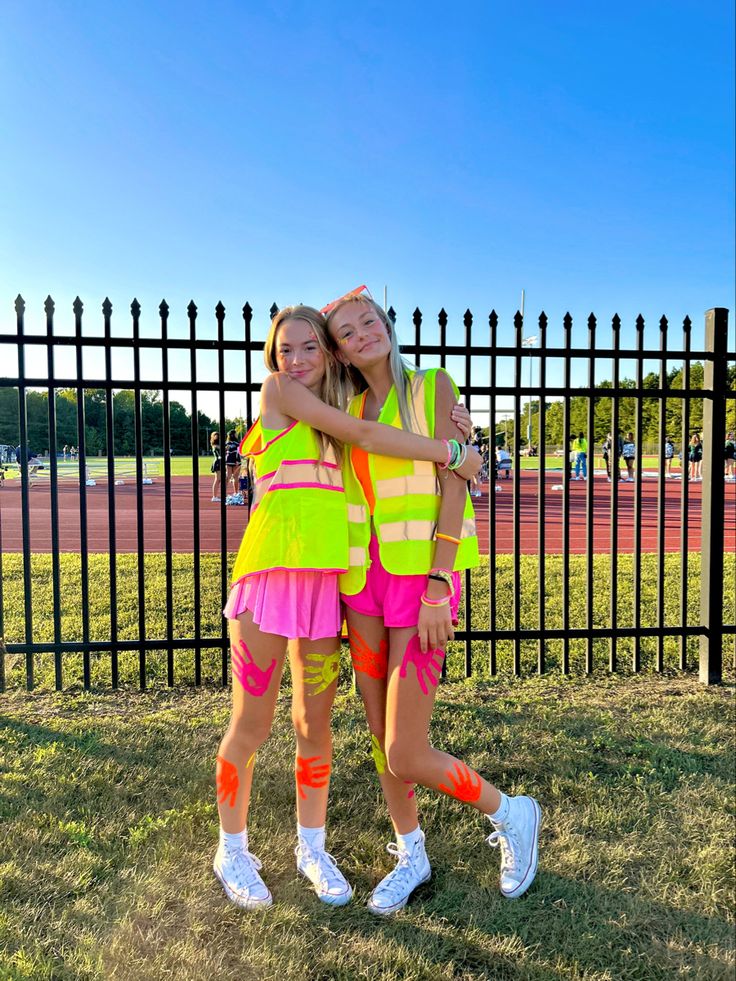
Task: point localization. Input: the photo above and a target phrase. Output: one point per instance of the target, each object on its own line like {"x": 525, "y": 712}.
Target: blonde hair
{"x": 399, "y": 367}
{"x": 335, "y": 388}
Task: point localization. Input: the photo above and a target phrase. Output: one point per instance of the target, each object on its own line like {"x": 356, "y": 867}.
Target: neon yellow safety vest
{"x": 298, "y": 519}
{"x": 408, "y": 499}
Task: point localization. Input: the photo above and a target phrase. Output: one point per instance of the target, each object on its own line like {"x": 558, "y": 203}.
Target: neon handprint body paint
{"x": 322, "y": 672}
{"x": 379, "y": 757}
{"x": 365, "y": 659}
{"x": 310, "y": 775}
{"x": 227, "y": 781}
{"x": 466, "y": 784}
{"x": 252, "y": 678}
{"x": 428, "y": 664}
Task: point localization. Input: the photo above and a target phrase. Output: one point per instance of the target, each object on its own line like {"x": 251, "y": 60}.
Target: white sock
{"x": 313, "y": 838}
{"x": 234, "y": 842}
{"x": 499, "y": 816}
{"x": 408, "y": 841}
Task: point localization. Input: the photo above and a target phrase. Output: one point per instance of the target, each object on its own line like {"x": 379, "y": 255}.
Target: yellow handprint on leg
{"x": 323, "y": 671}
{"x": 379, "y": 757}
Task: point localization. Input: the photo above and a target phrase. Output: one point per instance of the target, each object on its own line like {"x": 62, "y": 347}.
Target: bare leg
{"x": 253, "y": 708}
{"x": 369, "y": 652}
{"x": 314, "y": 671}
{"x": 410, "y": 700}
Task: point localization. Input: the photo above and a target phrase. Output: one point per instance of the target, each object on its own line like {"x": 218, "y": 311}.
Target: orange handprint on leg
{"x": 308, "y": 775}
{"x": 365, "y": 659}
{"x": 227, "y": 781}
{"x": 465, "y": 782}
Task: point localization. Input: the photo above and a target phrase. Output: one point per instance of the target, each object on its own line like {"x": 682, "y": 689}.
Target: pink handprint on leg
{"x": 253, "y": 679}
{"x": 428, "y": 665}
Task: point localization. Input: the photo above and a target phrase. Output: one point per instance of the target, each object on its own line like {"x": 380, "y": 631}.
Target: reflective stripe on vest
{"x": 296, "y": 474}
{"x": 408, "y": 499}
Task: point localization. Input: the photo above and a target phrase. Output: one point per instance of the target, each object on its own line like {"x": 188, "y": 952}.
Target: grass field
{"x": 211, "y": 620}
{"x": 181, "y": 466}
{"x": 108, "y": 826}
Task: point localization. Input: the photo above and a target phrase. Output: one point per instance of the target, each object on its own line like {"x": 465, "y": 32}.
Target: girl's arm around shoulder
{"x": 445, "y": 428}
{"x": 292, "y": 399}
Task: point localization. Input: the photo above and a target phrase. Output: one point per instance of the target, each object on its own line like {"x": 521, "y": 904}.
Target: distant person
{"x": 232, "y": 461}
{"x": 669, "y": 456}
{"x": 216, "y": 467}
{"x": 606, "y": 452}
{"x": 695, "y": 457}
{"x": 503, "y": 458}
{"x": 31, "y": 464}
{"x": 485, "y": 466}
{"x": 64, "y": 451}
{"x": 611, "y": 449}
{"x": 580, "y": 448}
{"x": 628, "y": 451}
{"x": 729, "y": 457}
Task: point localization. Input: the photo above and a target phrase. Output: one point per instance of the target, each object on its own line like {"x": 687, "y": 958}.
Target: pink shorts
{"x": 291, "y": 604}
{"x": 395, "y": 598}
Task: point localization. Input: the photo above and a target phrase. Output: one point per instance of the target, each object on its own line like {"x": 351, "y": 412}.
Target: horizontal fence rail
{"x": 82, "y": 412}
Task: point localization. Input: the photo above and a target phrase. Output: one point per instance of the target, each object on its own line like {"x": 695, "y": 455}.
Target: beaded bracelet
{"x": 441, "y": 575}
{"x": 453, "y": 455}
{"x": 446, "y": 464}
{"x": 426, "y": 601}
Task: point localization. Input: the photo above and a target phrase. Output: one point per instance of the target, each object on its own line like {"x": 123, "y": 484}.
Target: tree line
{"x": 602, "y": 416}
{"x": 95, "y": 429}
{"x": 180, "y": 423}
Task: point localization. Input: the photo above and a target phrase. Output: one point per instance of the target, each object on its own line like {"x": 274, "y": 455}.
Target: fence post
{"x": 714, "y": 434}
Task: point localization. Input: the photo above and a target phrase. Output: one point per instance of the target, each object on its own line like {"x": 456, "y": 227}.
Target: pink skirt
{"x": 291, "y": 604}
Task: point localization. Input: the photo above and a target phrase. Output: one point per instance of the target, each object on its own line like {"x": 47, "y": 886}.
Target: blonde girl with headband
{"x": 411, "y": 532}
{"x": 285, "y": 594}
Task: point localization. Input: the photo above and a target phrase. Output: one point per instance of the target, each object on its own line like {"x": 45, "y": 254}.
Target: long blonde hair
{"x": 399, "y": 367}
{"x": 335, "y": 389}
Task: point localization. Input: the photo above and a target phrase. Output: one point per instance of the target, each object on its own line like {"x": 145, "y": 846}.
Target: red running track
{"x": 154, "y": 499}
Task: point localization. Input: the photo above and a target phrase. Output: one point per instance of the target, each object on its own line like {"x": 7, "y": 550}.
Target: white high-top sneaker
{"x": 393, "y": 891}
{"x": 321, "y": 869}
{"x": 237, "y": 870}
{"x": 518, "y": 838}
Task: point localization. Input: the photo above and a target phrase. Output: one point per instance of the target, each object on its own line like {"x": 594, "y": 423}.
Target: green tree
{"x": 124, "y": 423}
{"x": 9, "y": 425}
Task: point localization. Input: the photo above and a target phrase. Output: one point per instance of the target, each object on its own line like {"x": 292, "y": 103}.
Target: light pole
{"x": 529, "y": 342}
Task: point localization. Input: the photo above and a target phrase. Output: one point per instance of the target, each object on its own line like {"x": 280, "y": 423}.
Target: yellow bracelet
{"x": 447, "y": 538}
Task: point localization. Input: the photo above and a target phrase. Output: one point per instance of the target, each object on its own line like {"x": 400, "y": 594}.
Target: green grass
{"x": 211, "y": 621}
{"x": 648, "y": 462}
{"x": 181, "y": 466}
{"x": 108, "y": 825}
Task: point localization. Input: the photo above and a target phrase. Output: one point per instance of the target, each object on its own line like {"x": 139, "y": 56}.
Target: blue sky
{"x": 289, "y": 151}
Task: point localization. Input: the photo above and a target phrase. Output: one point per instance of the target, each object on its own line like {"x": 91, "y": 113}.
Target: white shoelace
{"x": 328, "y": 874}
{"x": 396, "y": 882}
{"x": 510, "y": 848}
{"x": 245, "y": 866}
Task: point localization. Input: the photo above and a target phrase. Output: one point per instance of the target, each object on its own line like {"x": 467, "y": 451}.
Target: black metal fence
{"x": 490, "y": 377}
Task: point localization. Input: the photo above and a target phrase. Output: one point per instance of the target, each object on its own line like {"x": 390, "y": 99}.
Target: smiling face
{"x": 299, "y": 355}
{"x": 360, "y": 335}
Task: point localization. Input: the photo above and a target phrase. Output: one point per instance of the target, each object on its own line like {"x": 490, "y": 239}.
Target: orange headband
{"x": 355, "y": 292}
